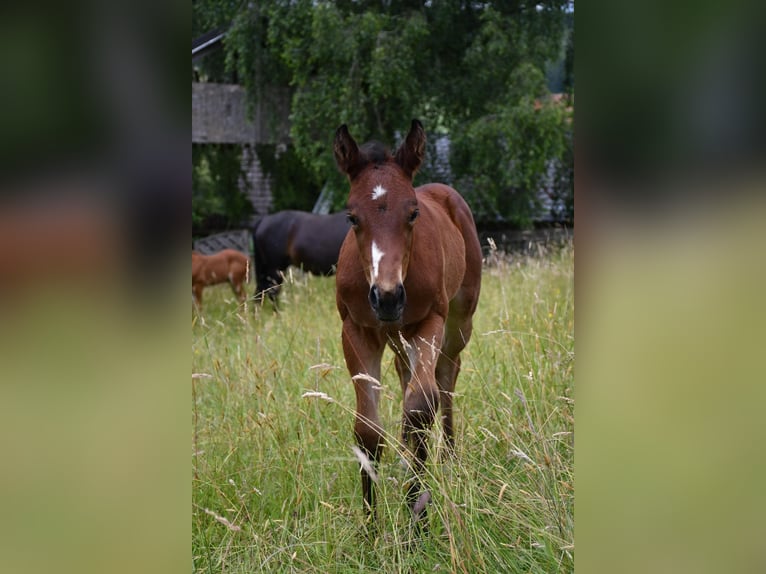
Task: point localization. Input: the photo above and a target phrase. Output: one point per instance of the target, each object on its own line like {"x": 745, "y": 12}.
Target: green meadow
{"x": 275, "y": 481}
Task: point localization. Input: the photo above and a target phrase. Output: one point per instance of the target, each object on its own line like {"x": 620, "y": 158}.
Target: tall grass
{"x": 275, "y": 481}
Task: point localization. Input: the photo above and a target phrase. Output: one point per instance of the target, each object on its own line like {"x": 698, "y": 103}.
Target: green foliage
{"x": 206, "y": 17}
{"x": 348, "y": 67}
{"x": 569, "y": 80}
{"x": 292, "y": 185}
{"x": 217, "y": 199}
{"x": 469, "y": 70}
{"x": 205, "y": 200}
{"x": 502, "y": 160}
{"x": 276, "y": 486}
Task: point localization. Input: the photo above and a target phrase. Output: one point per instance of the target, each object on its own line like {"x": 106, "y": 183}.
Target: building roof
{"x": 207, "y": 42}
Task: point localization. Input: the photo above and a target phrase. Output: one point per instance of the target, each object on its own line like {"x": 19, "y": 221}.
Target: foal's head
{"x": 383, "y": 210}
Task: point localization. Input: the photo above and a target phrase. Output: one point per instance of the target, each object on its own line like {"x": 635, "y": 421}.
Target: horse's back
{"x": 237, "y": 263}
{"x": 233, "y": 256}
{"x": 453, "y": 204}
{"x": 272, "y": 231}
{"x": 271, "y": 238}
{"x": 227, "y": 264}
{"x": 316, "y": 241}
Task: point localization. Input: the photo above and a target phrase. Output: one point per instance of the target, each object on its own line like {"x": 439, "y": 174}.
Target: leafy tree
{"x": 292, "y": 186}
{"x": 469, "y": 70}
{"x": 504, "y": 158}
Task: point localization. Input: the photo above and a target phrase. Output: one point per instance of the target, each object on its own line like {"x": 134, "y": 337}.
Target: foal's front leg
{"x": 363, "y": 350}
{"x": 421, "y": 402}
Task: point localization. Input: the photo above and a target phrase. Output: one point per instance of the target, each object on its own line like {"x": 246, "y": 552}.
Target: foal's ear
{"x": 346, "y": 152}
{"x": 410, "y": 154}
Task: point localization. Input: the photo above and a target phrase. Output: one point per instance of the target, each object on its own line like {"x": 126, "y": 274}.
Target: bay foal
{"x": 409, "y": 277}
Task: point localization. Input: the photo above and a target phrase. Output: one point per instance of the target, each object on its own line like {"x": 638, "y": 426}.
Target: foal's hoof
{"x": 419, "y": 508}
{"x": 419, "y": 523}
{"x": 369, "y": 532}
{"x": 420, "y": 514}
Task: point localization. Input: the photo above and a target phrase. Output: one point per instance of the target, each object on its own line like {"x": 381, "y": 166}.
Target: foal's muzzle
{"x": 388, "y": 305}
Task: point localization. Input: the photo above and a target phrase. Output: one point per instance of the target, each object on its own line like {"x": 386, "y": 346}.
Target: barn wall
{"x": 220, "y": 115}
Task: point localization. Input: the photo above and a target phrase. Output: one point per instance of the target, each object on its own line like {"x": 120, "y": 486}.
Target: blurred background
{"x": 95, "y": 190}
{"x": 670, "y": 175}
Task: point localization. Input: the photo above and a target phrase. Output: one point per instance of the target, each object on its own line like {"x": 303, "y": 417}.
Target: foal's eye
{"x": 352, "y": 219}
{"x": 414, "y": 216}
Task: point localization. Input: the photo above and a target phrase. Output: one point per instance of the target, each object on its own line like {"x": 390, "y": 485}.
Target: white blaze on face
{"x": 377, "y": 255}
{"x": 379, "y": 191}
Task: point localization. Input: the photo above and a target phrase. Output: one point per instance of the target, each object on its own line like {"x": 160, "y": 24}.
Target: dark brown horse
{"x": 409, "y": 277}
{"x": 226, "y": 266}
{"x": 306, "y": 240}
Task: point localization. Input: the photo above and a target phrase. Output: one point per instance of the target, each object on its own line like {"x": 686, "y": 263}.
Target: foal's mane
{"x": 374, "y": 152}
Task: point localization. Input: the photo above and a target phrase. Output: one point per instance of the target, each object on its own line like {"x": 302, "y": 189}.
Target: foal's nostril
{"x": 374, "y": 296}
{"x": 400, "y": 294}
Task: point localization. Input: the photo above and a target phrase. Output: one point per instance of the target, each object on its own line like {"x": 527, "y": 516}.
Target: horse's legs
{"x": 446, "y": 374}
{"x": 363, "y": 350}
{"x": 266, "y": 285}
{"x": 405, "y": 374}
{"x": 274, "y": 281}
{"x": 237, "y": 285}
{"x": 421, "y": 401}
{"x": 238, "y": 275}
{"x": 197, "y": 295}
{"x": 457, "y": 332}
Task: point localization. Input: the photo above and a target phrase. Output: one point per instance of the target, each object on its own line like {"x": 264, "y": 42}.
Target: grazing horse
{"x": 408, "y": 277}
{"x": 228, "y": 265}
{"x": 298, "y": 238}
